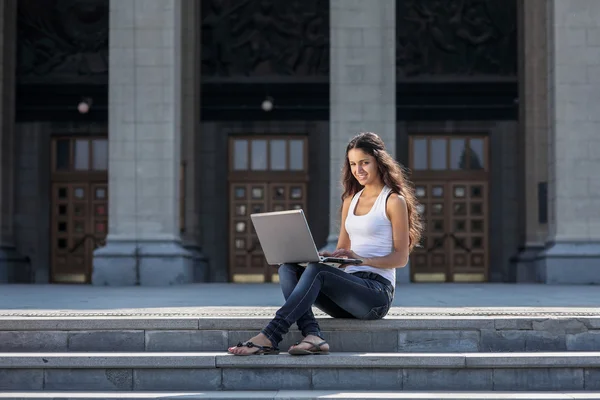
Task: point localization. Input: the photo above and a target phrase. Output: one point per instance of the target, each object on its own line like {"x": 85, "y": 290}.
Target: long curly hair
{"x": 392, "y": 174}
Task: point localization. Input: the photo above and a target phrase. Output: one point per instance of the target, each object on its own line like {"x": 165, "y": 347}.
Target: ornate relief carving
{"x": 265, "y": 38}
{"x": 62, "y": 41}
{"x": 456, "y": 37}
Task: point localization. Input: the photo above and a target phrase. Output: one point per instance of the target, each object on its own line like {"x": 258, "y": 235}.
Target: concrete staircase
{"x": 426, "y": 354}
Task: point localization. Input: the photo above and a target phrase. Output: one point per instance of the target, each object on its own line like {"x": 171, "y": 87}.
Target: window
{"x": 448, "y": 153}
{"x": 268, "y": 154}
{"x": 80, "y": 154}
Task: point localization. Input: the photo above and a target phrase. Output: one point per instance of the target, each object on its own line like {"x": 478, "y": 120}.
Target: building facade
{"x": 138, "y": 135}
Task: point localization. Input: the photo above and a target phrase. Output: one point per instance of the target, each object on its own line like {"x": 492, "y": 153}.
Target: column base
{"x": 526, "y": 265}
{"x": 199, "y": 263}
{"x": 14, "y": 268}
{"x": 571, "y": 263}
{"x": 144, "y": 263}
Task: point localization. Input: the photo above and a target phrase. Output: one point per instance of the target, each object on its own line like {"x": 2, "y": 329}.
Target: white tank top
{"x": 371, "y": 234}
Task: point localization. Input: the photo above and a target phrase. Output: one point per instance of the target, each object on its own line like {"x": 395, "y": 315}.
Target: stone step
{"x": 433, "y": 333}
{"x": 302, "y": 395}
{"x": 562, "y": 371}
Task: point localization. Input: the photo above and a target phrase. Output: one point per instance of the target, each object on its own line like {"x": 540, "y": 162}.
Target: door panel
{"x": 246, "y": 257}
{"x": 76, "y": 231}
{"x": 430, "y": 261}
{"x": 246, "y": 260}
{"x": 468, "y": 222}
{"x": 454, "y": 247}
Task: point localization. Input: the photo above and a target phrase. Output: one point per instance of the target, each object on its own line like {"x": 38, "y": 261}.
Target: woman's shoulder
{"x": 347, "y": 200}
{"x": 395, "y": 200}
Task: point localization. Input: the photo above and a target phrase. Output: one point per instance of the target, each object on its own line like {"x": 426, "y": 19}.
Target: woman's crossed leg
{"x": 335, "y": 292}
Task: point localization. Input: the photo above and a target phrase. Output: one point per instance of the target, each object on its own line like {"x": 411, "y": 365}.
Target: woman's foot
{"x": 258, "y": 340}
{"x": 309, "y": 345}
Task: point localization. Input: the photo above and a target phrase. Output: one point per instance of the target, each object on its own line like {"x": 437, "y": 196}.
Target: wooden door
{"x": 451, "y": 184}
{"x": 79, "y": 210}
{"x": 266, "y": 174}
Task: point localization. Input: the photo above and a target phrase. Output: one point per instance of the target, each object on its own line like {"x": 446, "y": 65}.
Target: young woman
{"x": 380, "y": 226}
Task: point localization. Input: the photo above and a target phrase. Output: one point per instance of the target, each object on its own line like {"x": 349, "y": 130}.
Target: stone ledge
{"x": 305, "y": 395}
{"x": 202, "y": 360}
{"x": 233, "y": 322}
{"x": 347, "y": 360}
{"x": 108, "y": 360}
{"x": 96, "y": 323}
{"x": 254, "y": 312}
{"x": 534, "y": 360}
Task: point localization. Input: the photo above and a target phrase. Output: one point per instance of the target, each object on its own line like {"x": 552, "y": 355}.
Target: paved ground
{"x": 199, "y": 297}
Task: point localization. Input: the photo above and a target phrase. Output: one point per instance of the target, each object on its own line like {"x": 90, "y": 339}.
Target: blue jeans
{"x": 361, "y": 295}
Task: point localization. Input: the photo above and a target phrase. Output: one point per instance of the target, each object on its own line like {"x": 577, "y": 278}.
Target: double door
{"x": 266, "y": 173}
{"x": 455, "y": 244}
{"x": 451, "y": 177}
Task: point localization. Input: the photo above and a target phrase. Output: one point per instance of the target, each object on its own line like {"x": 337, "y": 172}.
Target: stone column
{"x": 143, "y": 243}
{"x": 190, "y": 143}
{"x": 11, "y": 262}
{"x": 362, "y": 84}
{"x": 533, "y": 104}
{"x": 573, "y": 253}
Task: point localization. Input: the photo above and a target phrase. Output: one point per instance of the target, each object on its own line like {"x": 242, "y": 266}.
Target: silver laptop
{"x": 285, "y": 238}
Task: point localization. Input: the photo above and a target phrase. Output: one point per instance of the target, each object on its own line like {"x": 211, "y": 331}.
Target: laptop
{"x": 286, "y": 238}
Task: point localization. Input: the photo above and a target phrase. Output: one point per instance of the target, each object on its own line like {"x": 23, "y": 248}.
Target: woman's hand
{"x": 345, "y": 253}
{"x": 325, "y": 253}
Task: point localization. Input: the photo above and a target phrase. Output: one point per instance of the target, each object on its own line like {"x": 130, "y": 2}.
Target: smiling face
{"x": 364, "y": 167}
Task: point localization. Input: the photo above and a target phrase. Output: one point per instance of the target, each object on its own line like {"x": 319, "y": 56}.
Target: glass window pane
{"x": 437, "y": 191}
{"x": 438, "y": 154}
{"x": 259, "y": 155}
{"x": 257, "y": 193}
{"x": 278, "y": 155}
{"x": 240, "y": 155}
{"x": 82, "y": 154}
{"x": 457, "y": 154}
{"x": 419, "y": 154}
{"x": 62, "y": 154}
{"x": 240, "y": 210}
{"x": 240, "y": 227}
{"x": 100, "y": 156}
{"x": 296, "y": 193}
{"x": 297, "y": 155}
{"x": 240, "y": 192}
{"x": 100, "y": 193}
{"x": 476, "y": 154}
{"x": 79, "y": 193}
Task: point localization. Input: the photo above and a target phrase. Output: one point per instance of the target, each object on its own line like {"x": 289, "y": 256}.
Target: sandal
{"x": 314, "y": 349}
{"x": 262, "y": 350}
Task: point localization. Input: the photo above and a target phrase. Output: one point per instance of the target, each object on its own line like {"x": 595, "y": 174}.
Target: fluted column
{"x": 533, "y": 103}
{"x": 10, "y": 259}
{"x": 573, "y": 243}
{"x": 362, "y": 84}
{"x": 190, "y": 135}
{"x": 145, "y": 87}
